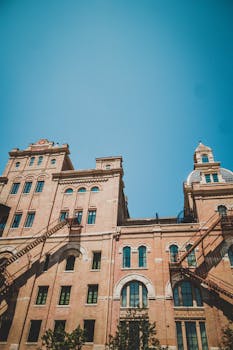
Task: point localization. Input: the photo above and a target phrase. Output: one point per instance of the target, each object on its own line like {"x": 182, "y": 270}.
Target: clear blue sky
{"x": 143, "y": 79}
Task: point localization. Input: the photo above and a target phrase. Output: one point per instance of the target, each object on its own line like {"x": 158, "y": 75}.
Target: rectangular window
{"x": 203, "y": 336}
{"x": 96, "y": 260}
{"x": 34, "y": 331}
{"x": 27, "y": 187}
{"x": 191, "y": 335}
{"x": 42, "y": 295}
{"x": 91, "y": 216}
{"x": 29, "y": 219}
{"x": 14, "y": 188}
{"x": 215, "y": 177}
{"x": 64, "y": 215}
{"x": 89, "y": 327}
{"x": 39, "y": 186}
{"x": 59, "y": 325}
{"x": 134, "y": 294}
{"x": 92, "y": 294}
{"x": 16, "y": 220}
{"x": 65, "y": 295}
{"x": 78, "y": 216}
{"x": 179, "y": 336}
{"x": 5, "y": 326}
{"x": 207, "y": 178}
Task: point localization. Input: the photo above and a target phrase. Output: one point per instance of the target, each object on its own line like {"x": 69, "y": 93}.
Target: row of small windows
{"x": 191, "y": 335}
{"x": 35, "y": 328}
{"x": 27, "y": 187}
{"x": 39, "y": 161}
{"x": 28, "y": 222}
{"x": 91, "y": 216}
{"x": 82, "y": 190}
{"x": 142, "y": 257}
{"x": 70, "y": 262}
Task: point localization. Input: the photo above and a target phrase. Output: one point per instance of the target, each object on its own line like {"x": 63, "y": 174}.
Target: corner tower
{"x": 209, "y": 187}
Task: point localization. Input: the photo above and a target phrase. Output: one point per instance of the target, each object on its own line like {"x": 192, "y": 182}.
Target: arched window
{"x": 191, "y": 257}
{"x": 230, "y": 255}
{"x": 222, "y": 209}
{"x": 142, "y": 256}
{"x": 17, "y": 164}
{"x": 173, "y": 253}
{"x": 69, "y": 191}
{"x": 126, "y": 256}
{"x": 95, "y": 189}
{"x": 40, "y": 159}
{"x": 53, "y": 161}
{"x": 205, "y": 158}
{"x": 31, "y": 162}
{"x": 134, "y": 294}
{"x": 82, "y": 189}
{"x": 70, "y": 261}
{"x": 187, "y": 294}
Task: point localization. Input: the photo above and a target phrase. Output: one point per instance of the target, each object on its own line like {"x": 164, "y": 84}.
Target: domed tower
{"x": 208, "y": 188}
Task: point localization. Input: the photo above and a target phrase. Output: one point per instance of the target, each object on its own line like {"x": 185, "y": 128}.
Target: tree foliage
{"x": 227, "y": 337}
{"x": 61, "y": 340}
{"x": 135, "y": 332}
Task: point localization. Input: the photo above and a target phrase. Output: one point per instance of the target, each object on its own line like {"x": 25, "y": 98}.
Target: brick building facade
{"x": 70, "y": 254}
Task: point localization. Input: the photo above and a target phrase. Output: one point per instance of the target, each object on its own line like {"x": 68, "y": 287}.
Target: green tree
{"x": 61, "y": 340}
{"x": 227, "y": 337}
{"x": 135, "y": 332}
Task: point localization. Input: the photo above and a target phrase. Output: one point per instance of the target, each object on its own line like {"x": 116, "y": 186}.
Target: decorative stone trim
{"x": 80, "y": 181}
{"x": 133, "y": 277}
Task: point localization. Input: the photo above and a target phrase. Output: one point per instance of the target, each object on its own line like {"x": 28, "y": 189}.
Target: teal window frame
{"x": 126, "y": 263}
{"x": 30, "y": 219}
{"x": 91, "y": 218}
{"x": 39, "y": 186}
{"x": 27, "y": 187}
{"x": 142, "y": 256}
{"x": 15, "y": 188}
{"x": 16, "y": 220}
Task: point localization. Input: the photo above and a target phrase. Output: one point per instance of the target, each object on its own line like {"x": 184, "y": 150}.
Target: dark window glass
{"x": 40, "y": 159}
{"x": 53, "y": 161}
{"x": 39, "y": 186}
{"x": 91, "y": 216}
{"x": 205, "y": 158}
{"x": 173, "y": 253}
{"x": 59, "y": 325}
{"x": 42, "y": 295}
{"x": 134, "y": 294}
{"x": 5, "y": 325}
{"x": 14, "y": 188}
{"x": 34, "y": 331}
{"x": 186, "y": 292}
{"x": 126, "y": 256}
{"x": 27, "y": 187}
{"x": 70, "y": 261}
{"x": 96, "y": 260}
{"x": 82, "y": 190}
{"x": 69, "y": 190}
{"x": 198, "y": 296}
{"x": 204, "y": 340}
{"x": 191, "y": 335}
{"x": 92, "y": 294}
{"x": 179, "y": 336}
{"x": 46, "y": 262}
{"x": 230, "y": 255}
{"x": 16, "y": 220}
{"x": 3, "y": 221}
{"x": 89, "y": 327}
{"x": 95, "y": 189}
{"x": 78, "y": 216}
{"x": 191, "y": 257}
{"x": 64, "y": 215}
{"x": 207, "y": 178}
{"x": 215, "y": 177}
{"x": 17, "y": 164}
{"x": 29, "y": 219}
{"x": 65, "y": 295}
{"x": 142, "y": 256}
{"x": 222, "y": 209}
{"x": 31, "y": 162}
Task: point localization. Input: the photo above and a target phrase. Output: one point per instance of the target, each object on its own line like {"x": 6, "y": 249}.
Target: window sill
{"x": 39, "y": 305}
{"x": 68, "y": 271}
{"x": 189, "y": 307}
{"x": 63, "y": 306}
{"x": 94, "y": 304}
{"x": 94, "y": 270}
{"x": 134, "y": 308}
{"x": 31, "y": 343}
{"x": 134, "y": 268}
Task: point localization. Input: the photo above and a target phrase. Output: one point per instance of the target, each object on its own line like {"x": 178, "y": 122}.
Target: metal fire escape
{"x": 6, "y": 280}
{"x": 201, "y": 270}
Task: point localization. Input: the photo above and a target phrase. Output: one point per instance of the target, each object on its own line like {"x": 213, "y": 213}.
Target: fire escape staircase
{"x": 216, "y": 285}
{"x": 6, "y": 280}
